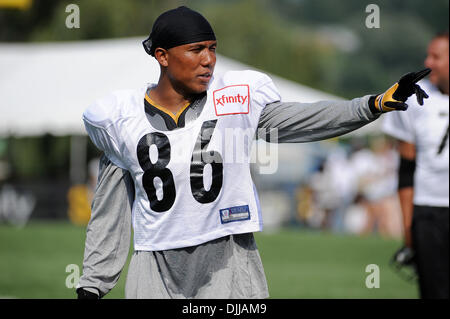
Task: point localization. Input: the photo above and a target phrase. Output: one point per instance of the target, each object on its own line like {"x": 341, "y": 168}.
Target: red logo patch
{"x": 233, "y": 99}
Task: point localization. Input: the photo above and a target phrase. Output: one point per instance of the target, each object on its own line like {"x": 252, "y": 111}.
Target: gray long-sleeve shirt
{"x": 109, "y": 229}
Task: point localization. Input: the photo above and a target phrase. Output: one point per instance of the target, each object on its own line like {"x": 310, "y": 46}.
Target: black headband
{"x": 177, "y": 27}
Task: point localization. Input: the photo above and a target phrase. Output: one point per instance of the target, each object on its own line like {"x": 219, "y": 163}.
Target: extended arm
{"x": 108, "y": 232}
{"x": 306, "y": 122}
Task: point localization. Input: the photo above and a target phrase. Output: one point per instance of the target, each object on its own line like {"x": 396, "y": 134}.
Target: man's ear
{"x": 162, "y": 56}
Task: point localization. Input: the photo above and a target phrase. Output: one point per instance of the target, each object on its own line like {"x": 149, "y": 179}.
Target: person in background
{"x": 422, "y": 135}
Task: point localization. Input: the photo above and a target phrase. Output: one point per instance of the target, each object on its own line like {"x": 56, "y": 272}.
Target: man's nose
{"x": 428, "y": 63}
{"x": 208, "y": 58}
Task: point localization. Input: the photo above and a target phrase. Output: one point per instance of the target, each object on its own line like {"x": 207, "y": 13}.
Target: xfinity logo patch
{"x": 233, "y": 99}
{"x": 233, "y": 214}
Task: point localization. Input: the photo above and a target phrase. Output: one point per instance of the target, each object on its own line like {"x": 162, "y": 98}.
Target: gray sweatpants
{"x": 228, "y": 267}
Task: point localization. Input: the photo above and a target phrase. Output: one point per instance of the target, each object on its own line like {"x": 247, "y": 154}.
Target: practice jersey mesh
{"x": 179, "y": 201}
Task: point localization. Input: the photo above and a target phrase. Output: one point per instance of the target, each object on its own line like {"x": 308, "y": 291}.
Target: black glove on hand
{"x": 394, "y": 98}
{"x": 84, "y": 294}
{"x": 404, "y": 263}
{"x": 404, "y": 256}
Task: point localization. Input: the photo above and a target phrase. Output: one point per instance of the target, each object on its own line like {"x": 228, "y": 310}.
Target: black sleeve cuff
{"x": 406, "y": 171}
{"x": 372, "y": 106}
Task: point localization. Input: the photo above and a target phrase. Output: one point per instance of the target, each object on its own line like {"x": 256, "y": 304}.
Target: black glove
{"x": 404, "y": 256}
{"x": 404, "y": 263}
{"x": 84, "y": 294}
{"x": 394, "y": 98}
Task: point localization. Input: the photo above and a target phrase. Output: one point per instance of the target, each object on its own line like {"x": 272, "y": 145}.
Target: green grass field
{"x": 298, "y": 263}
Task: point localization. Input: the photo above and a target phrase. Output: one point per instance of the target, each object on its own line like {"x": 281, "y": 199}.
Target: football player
{"x": 168, "y": 172}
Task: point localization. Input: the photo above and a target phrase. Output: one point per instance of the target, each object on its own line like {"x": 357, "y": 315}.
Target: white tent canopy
{"x": 44, "y": 88}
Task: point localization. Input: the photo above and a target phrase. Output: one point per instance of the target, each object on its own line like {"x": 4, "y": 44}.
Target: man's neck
{"x": 167, "y": 97}
{"x": 444, "y": 89}
{"x": 442, "y": 86}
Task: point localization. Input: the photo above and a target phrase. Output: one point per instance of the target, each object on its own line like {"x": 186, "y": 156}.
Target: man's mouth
{"x": 205, "y": 76}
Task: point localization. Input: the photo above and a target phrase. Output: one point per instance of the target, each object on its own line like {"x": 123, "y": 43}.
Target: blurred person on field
{"x": 334, "y": 188}
{"x": 376, "y": 168}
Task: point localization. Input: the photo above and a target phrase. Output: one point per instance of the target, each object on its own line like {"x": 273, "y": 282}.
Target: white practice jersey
{"x": 426, "y": 126}
{"x": 193, "y": 184}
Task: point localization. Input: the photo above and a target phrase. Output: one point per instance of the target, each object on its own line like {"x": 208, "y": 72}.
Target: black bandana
{"x": 177, "y": 27}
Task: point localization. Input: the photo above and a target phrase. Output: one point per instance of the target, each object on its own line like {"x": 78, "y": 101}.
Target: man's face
{"x": 437, "y": 61}
{"x": 191, "y": 66}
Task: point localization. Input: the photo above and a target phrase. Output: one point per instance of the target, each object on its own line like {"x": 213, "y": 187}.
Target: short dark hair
{"x": 177, "y": 27}
{"x": 441, "y": 34}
